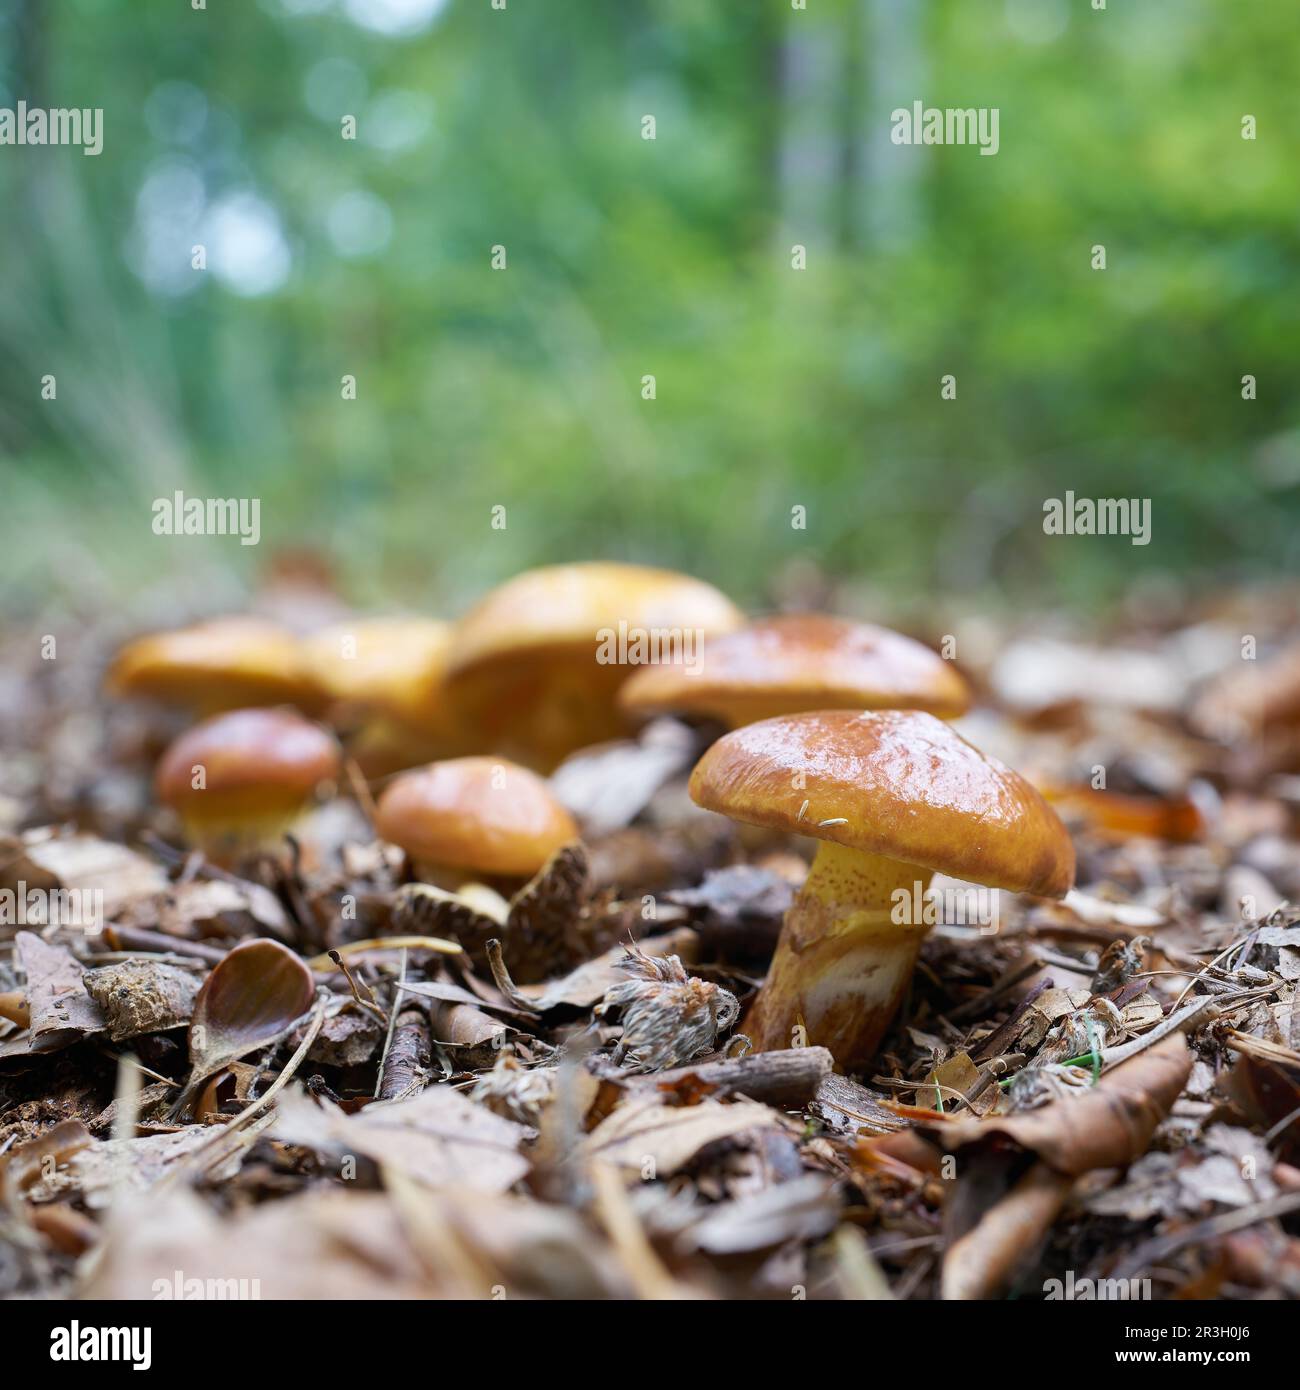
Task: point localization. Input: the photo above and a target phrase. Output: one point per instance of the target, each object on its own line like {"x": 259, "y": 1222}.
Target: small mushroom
{"x": 796, "y": 662}
{"x": 536, "y": 666}
{"x": 239, "y": 780}
{"x": 894, "y": 797}
{"x": 471, "y": 817}
{"x": 226, "y": 663}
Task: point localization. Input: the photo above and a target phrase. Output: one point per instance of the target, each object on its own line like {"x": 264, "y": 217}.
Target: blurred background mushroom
{"x": 536, "y": 665}
{"x": 795, "y": 662}
{"x": 223, "y": 664}
{"x": 473, "y": 818}
{"x": 239, "y": 780}
{"x": 384, "y": 681}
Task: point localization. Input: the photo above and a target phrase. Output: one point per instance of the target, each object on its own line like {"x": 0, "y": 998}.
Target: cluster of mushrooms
{"x": 828, "y": 729}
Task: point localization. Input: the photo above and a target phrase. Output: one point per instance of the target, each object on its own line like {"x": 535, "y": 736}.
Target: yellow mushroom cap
{"x": 226, "y": 663}
{"x": 562, "y": 607}
{"x": 801, "y": 661}
{"x": 537, "y": 664}
{"x": 895, "y": 783}
{"x": 482, "y": 815}
{"x": 257, "y": 764}
{"x": 389, "y": 666}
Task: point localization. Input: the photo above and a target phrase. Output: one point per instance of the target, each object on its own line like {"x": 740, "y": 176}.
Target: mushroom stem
{"x": 227, "y": 840}
{"x": 846, "y": 953}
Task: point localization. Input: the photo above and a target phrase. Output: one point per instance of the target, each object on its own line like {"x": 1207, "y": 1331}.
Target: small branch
{"x": 1179, "y": 1022}
{"x": 326, "y": 964}
{"x": 405, "y": 1071}
{"x": 616, "y": 1214}
{"x": 1156, "y": 1251}
{"x": 210, "y": 1153}
{"x": 368, "y": 1003}
{"x": 501, "y": 978}
{"x": 1005, "y": 1034}
{"x": 788, "y": 1078}
{"x": 361, "y": 790}
{"x": 978, "y": 1006}
{"x": 120, "y": 938}
{"x": 404, "y": 1067}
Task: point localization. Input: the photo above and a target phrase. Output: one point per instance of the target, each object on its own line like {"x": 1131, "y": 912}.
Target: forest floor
{"x": 1101, "y": 1088}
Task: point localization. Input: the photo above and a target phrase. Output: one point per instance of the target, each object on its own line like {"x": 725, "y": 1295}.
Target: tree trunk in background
{"x": 30, "y": 32}
{"x": 808, "y": 156}
{"x": 886, "y": 203}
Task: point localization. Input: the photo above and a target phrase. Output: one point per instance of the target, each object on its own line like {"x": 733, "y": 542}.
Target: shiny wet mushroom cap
{"x": 893, "y": 796}
{"x": 894, "y": 783}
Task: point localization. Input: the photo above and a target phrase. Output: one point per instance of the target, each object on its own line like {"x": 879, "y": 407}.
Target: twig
{"x": 1161, "y": 1247}
{"x": 938, "y": 1087}
{"x": 617, "y": 1215}
{"x": 199, "y": 1158}
{"x": 990, "y": 1072}
{"x": 384, "y": 943}
{"x": 1209, "y": 965}
{"x": 392, "y": 1017}
{"x": 361, "y": 790}
{"x": 976, "y": 1007}
{"x": 1178, "y": 1022}
{"x": 501, "y": 978}
{"x": 122, "y": 1058}
{"x": 1005, "y": 1033}
{"x": 788, "y": 1078}
{"x": 1281, "y": 1125}
{"x": 119, "y": 937}
{"x": 371, "y": 1002}
{"x": 404, "y": 1067}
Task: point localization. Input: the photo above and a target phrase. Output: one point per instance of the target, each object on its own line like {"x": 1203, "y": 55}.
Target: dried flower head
{"x": 514, "y": 1091}
{"x": 667, "y": 1016}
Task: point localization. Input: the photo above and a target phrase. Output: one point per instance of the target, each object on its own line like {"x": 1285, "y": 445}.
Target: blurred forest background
{"x": 776, "y": 388}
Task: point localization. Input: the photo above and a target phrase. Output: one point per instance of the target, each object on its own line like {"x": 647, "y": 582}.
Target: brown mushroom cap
{"x": 227, "y": 663}
{"x": 257, "y": 763}
{"x": 483, "y": 815}
{"x": 797, "y": 662}
{"x": 529, "y": 669}
{"x": 391, "y": 666}
{"x": 894, "y": 783}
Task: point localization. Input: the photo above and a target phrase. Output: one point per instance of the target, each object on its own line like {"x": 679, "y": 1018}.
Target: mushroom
{"x": 894, "y": 796}
{"x": 796, "y": 662}
{"x": 226, "y": 663}
{"x": 467, "y": 818}
{"x": 240, "y": 779}
{"x": 384, "y": 678}
{"x": 536, "y": 666}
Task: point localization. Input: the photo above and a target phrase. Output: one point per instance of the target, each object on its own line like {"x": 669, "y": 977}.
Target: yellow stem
{"x": 846, "y": 953}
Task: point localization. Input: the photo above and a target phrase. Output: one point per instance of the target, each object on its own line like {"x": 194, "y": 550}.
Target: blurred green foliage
{"x": 629, "y": 257}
